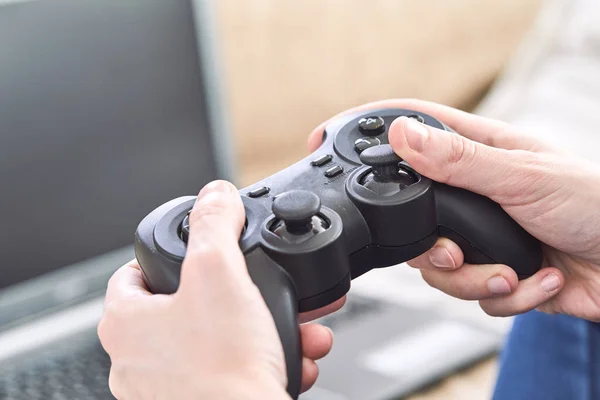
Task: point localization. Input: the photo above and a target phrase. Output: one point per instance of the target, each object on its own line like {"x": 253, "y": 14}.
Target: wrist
{"x": 244, "y": 387}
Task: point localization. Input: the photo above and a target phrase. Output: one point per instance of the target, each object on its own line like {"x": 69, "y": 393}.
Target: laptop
{"x": 108, "y": 108}
{"x": 396, "y": 336}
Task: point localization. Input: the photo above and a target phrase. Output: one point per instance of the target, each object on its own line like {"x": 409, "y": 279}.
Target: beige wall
{"x": 291, "y": 64}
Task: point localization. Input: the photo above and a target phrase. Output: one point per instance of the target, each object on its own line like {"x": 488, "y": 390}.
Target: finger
{"x": 458, "y": 161}
{"x": 444, "y": 255}
{"x": 126, "y": 282}
{"x": 484, "y": 130}
{"x": 321, "y": 312}
{"x": 217, "y": 213}
{"x": 473, "y": 282}
{"x": 530, "y": 293}
{"x": 317, "y": 341}
{"x": 310, "y": 373}
{"x": 216, "y": 221}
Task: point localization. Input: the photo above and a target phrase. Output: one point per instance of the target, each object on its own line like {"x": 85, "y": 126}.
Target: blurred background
{"x": 109, "y": 108}
{"x": 296, "y": 64}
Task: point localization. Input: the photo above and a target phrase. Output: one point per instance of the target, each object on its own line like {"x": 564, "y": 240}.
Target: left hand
{"x": 214, "y": 337}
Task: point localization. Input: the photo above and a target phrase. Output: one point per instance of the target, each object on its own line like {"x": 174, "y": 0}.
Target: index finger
{"x": 480, "y": 129}
{"x": 323, "y": 311}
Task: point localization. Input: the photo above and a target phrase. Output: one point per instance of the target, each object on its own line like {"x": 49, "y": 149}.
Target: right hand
{"x": 554, "y": 195}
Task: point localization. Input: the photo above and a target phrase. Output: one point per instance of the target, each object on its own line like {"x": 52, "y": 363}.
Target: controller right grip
{"x": 485, "y": 232}
{"x": 280, "y": 295}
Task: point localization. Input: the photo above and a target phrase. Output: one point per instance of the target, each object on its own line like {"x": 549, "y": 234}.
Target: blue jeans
{"x": 550, "y": 357}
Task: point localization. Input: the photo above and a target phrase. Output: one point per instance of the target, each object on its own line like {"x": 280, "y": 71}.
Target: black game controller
{"x": 351, "y": 206}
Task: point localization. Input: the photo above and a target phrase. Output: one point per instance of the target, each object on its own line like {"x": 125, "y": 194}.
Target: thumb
{"x": 452, "y": 159}
{"x": 213, "y": 252}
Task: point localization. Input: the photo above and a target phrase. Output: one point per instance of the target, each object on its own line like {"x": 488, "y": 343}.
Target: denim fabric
{"x": 550, "y": 357}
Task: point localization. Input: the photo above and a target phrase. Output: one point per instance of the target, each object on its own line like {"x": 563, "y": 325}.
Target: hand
{"x": 554, "y": 195}
{"x": 213, "y": 338}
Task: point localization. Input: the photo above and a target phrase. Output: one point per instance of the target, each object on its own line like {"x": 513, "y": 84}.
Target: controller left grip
{"x": 280, "y": 295}
{"x": 485, "y": 232}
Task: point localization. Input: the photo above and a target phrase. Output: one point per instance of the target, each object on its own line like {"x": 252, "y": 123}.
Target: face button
{"x": 334, "y": 171}
{"x": 417, "y": 117}
{"x": 363, "y": 143}
{"x": 371, "y": 126}
{"x": 259, "y": 192}
{"x": 318, "y": 162}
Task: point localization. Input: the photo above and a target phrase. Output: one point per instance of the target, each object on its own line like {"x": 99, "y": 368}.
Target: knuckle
{"x": 461, "y": 155}
{"x": 106, "y": 328}
{"x": 458, "y": 149}
{"x": 491, "y": 310}
{"x": 114, "y": 279}
{"x": 209, "y": 254}
{"x": 103, "y": 330}
{"x": 533, "y": 170}
{"x": 428, "y": 277}
{"x": 499, "y": 308}
{"x": 112, "y": 310}
{"x": 115, "y": 380}
{"x": 211, "y": 204}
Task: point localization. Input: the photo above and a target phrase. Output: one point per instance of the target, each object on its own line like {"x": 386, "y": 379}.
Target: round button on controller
{"x": 296, "y": 209}
{"x": 298, "y": 217}
{"x": 386, "y": 176}
{"x": 380, "y": 156}
{"x": 371, "y": 126}
{"x": 363, "y": 143}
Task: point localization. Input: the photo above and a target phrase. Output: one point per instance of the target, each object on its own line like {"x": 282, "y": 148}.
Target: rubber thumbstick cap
{"x": 378, "y": 156}
{"x": 296, "y": 206}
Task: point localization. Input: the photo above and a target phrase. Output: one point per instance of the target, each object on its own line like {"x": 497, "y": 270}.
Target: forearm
{"x": 243, "y": 388}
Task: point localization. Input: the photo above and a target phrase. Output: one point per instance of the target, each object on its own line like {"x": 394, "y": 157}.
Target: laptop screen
{"x": 104, "y": 115}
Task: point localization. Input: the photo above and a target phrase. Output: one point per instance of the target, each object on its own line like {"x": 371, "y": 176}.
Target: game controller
{"x": 351, "y": 206}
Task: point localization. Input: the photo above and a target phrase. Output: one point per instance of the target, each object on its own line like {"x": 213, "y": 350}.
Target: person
{"x": 214, "y": 337}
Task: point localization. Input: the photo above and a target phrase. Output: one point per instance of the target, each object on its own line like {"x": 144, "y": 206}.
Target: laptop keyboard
{"x": 72, "y": 369}
{"x": 77, "y": 368}
{"x": 357, "y": 307}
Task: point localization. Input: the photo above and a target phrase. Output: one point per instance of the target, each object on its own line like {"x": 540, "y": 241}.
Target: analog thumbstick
{"x": 387, "y": 176}
{"x": 296, "y": 209}
{"x": 383, "y": 160}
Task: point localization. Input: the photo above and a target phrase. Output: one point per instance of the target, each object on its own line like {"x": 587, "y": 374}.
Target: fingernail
{"x": 441, "y": 258}
{"x": 215, "y": 187}
{"x": 416, "y": 134}
{"x": 498, "y": 285}
{"x": 550, "y": 283}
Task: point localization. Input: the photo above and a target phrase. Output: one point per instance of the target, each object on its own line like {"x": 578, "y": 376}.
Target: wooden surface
{"x": 289, "y": 65}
